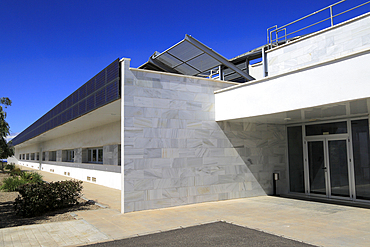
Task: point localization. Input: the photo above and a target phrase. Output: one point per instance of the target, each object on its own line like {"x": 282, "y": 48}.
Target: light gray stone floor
{"x": 67, "y": 233}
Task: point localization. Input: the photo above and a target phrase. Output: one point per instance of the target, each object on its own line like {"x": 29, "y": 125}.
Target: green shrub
{"x": 16, "y": 172}
{"x": 10, "y": 166}
{"x": 12, "y": 183}
{"x": 31, "y": 177}
{"x": 19, "y": 178}
{"x": 36, "y": 199}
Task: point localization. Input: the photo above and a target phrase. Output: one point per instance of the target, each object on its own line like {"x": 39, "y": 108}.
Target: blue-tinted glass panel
{"x": 75, "y": 111}
{"x": 100, "y": 80}
{"x": 90, "y": 103}
{"x": 82, "y": 108}
{"x": 112, "y": 72}
{"x": 100, "y": 97}
{"x": 90, "y": 86}
{"x": 82, "y": 92}
{"x": 112, "y": 91}
{"x": 74, "y": 97}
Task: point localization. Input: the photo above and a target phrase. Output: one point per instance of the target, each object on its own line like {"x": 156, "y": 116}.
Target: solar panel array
{"x": 98, "y": 91}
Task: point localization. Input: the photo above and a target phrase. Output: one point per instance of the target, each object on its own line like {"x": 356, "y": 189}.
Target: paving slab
{"x": 66, "y": 233}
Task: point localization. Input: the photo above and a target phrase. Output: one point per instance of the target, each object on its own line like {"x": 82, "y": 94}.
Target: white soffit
{"x": 104, "y": 115}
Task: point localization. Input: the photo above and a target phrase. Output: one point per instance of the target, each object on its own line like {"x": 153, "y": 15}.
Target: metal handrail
{"x": 274, "y": 30}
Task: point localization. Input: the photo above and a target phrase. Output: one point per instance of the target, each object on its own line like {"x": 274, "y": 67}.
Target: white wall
{"x": 108, "y": 179}
{"x": 175, "y": 153}
{"x": 256, "y": 70}
{"x": 330, "y": 43}
{"x": 330, "y": 82}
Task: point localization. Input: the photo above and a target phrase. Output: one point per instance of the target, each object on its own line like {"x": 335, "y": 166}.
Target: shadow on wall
{"x": 262, "y": 147}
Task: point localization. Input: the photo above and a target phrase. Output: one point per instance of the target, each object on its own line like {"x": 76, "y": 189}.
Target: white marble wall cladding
{"x": 78, "y": 155}
{"x": 176, "y": 154}
{"x": 110, "y": 154}
{"x": 333, "y": 43}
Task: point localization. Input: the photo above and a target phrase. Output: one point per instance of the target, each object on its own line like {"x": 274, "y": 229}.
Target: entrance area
{"x": 330, "y": 159}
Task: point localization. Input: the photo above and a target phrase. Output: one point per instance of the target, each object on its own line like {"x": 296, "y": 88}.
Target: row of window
{"x": 89, "y": 155}
{"x": 32, "y": 156}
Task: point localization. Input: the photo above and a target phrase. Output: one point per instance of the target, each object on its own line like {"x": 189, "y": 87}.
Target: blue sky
{"x": 48, "y": 49}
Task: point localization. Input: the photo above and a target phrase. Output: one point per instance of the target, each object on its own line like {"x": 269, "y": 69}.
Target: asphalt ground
{"x": 212, "y": 234}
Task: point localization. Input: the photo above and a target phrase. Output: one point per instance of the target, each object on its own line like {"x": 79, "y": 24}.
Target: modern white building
{"x": 191, "y": 126}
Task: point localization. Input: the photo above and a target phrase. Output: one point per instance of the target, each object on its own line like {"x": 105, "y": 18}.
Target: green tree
{"x": 5, "y": 149}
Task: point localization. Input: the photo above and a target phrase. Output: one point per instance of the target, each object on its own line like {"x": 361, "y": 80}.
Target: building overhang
{"x": 104, "y": 115}
{"x": 331, "y": 112}
{"x": 327, "y": 90}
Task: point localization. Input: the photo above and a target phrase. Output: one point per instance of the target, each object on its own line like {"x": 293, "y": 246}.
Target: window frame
{"x": 95, "y": 155}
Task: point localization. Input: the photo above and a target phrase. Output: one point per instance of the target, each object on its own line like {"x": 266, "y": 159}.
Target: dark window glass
{"x": 53, "y": 156}
{"x": 316, "y": 163}
{"x": 326, "y": 129}
{"x": 100, "y": 155}
{"x": 295, "y": 157}
{"x": 361, "y": 157}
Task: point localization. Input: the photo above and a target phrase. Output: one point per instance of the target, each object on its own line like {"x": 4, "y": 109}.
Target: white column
{"x": 125, "y": 69}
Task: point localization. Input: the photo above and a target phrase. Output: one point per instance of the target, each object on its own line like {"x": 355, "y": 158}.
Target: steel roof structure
{"x": 190, "y": 57}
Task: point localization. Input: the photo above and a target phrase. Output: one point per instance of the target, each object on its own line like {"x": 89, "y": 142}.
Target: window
{"x": 33, "y": 156}
{"x": 20, "y": 156}
{"x": 326, "y": 129}
{"x": 295, "y": 158}
{"x": 52, "y": 155}
{"x": 95, "y": 155}
{"x": 43, "y": 156}
{"x": 361, "y": 157}
{"x": 24, "y": 156}
{"x": 27, "y": 156}
{"x": 68, "y": 155}
{"x": 37, "y": 156}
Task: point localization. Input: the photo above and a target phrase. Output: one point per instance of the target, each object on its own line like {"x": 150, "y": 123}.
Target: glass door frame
{"x": 352, "y": 182}
{"x": 325, "y": 139}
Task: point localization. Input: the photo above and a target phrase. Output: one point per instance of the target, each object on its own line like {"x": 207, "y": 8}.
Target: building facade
{"x": 168, "y": 134}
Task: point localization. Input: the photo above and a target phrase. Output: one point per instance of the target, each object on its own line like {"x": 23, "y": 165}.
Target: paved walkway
{"x": 311, "y": 222}
{"x": 66, "y": 233}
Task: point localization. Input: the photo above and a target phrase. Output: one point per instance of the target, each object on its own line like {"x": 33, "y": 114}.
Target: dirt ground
{"x": 8, "y": 218}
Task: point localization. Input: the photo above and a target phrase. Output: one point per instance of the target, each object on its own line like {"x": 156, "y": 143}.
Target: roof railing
{"x": 274, "y": 39}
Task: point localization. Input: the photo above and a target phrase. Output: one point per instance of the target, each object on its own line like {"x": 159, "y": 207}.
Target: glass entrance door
{"x": 317, "y": 167}
{"x": 338, "y": 168}
{"x": 328, "y": 167}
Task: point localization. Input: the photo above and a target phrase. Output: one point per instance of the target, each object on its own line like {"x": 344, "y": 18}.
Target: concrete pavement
{"x": 66, "y": 233}
{"x": 311, "y": 222}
